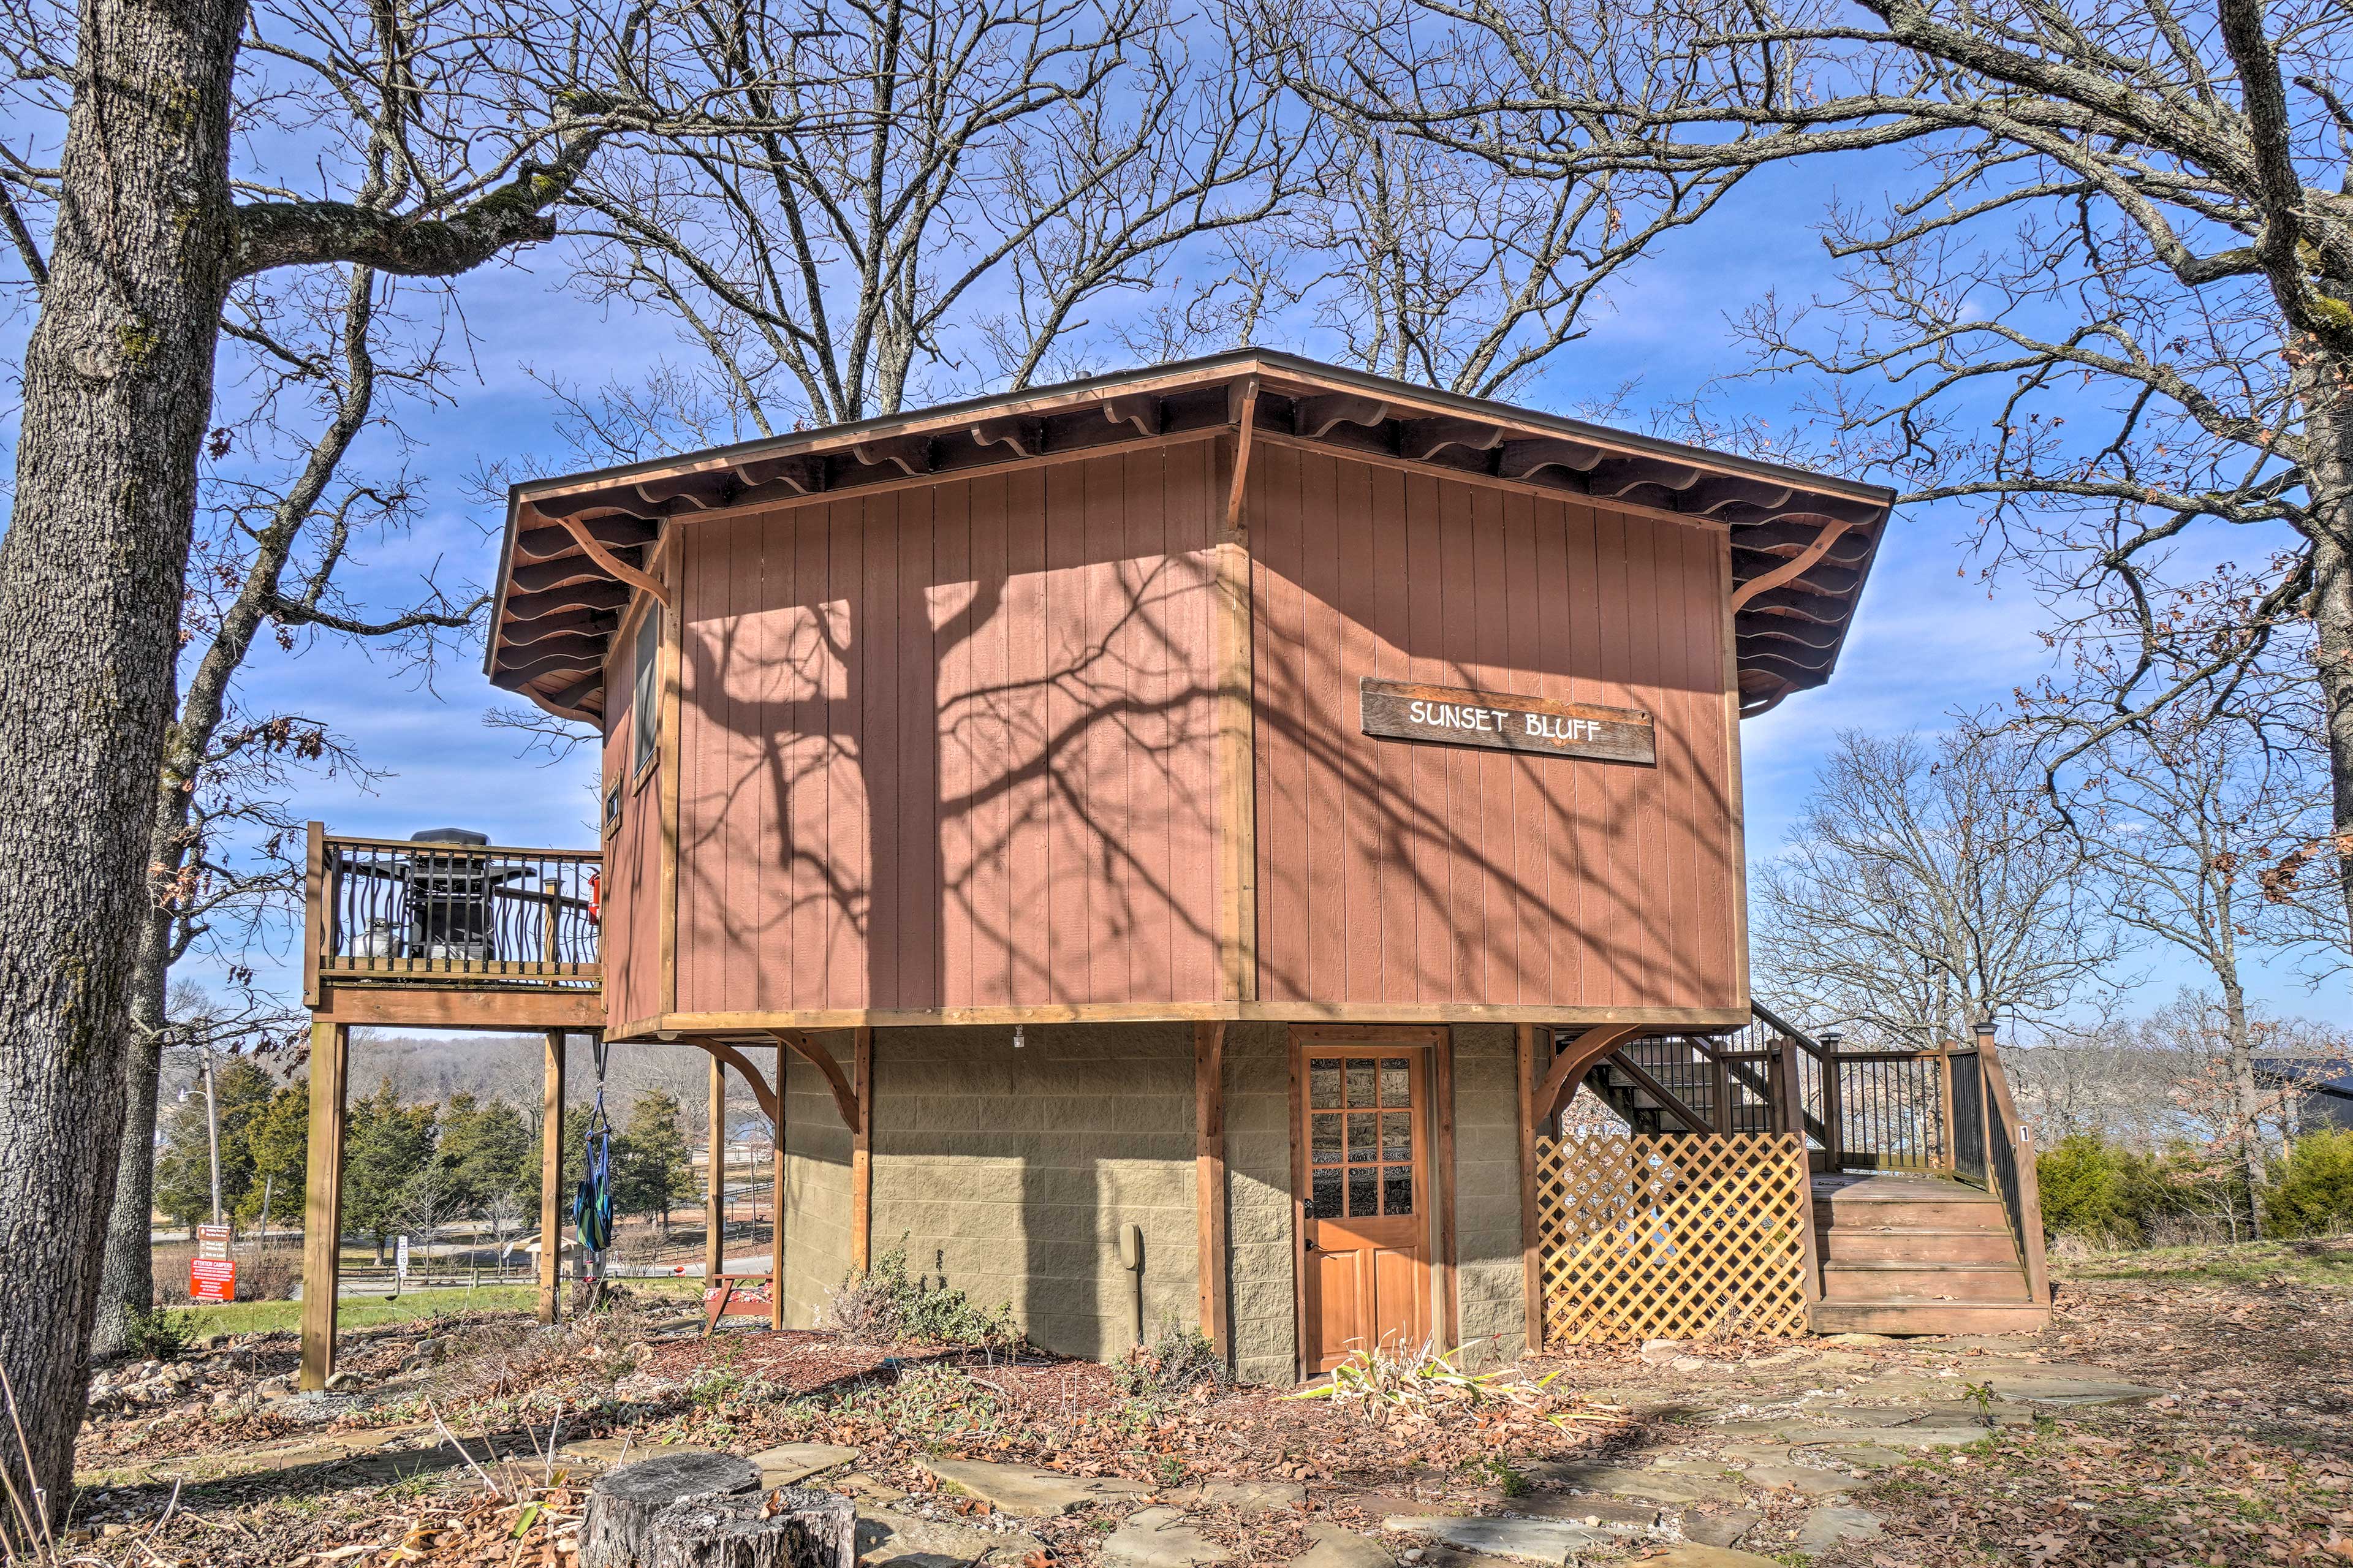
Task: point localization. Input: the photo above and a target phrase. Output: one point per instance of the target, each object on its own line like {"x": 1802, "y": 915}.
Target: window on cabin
{"x": 645, "y": 700}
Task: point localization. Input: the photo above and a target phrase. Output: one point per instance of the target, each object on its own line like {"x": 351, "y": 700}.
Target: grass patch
{"x": 2328, "y": 1263}
{"x": 368, "y": 1312}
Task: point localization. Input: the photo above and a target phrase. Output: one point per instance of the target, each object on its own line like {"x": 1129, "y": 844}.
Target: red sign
{"x": 212, "y": 1280}
{"x": 743, "y": 1301}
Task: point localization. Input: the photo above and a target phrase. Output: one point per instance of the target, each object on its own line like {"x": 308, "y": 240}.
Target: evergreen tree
{"x": 651, "y": 1167}
{"x": 385, "y": 1144}
{"x": 487, "y": 1150}
{"x": 242, "y": 1091}
{"x": 279, "y": 1141}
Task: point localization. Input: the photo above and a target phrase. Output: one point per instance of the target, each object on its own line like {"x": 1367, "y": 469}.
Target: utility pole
{"x": 212, "y": 1133}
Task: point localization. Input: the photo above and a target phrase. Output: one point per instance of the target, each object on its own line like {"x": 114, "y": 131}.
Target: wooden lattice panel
{"x": 1671, "y": 1238}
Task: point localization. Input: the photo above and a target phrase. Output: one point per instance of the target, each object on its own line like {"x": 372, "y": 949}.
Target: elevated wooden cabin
{"x": 1239, "y": 800}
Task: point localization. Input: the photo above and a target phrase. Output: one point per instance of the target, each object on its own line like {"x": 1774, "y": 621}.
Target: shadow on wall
{"x": 1010, "y": 1172}
{"x": 954, "y": 748}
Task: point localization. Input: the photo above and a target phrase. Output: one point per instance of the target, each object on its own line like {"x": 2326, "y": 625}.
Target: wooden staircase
{"x": 1927, "y": 1217}
{"x": 1906, "y": 1252}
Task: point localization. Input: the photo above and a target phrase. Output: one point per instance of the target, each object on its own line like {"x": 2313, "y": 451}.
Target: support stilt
{"x": 714, "y": 1202}
{"x": 550, "y": 1179}
{"x": 322, "y": 1205}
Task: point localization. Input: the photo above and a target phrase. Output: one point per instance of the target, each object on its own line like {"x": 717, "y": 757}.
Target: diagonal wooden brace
{"x": 845, "y": 1099}
{"x": 1569, "y": 1068}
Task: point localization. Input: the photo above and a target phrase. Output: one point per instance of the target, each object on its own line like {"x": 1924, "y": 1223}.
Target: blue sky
{"x": 1927, "y": 642}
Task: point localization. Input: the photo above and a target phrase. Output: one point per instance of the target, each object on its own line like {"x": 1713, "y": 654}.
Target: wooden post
{"x": 861, "y": 1155}
{"x": 322, "y": 1203}
{"x": 714, "y": 1202}
{"x": 314, "y": 913}
{"x": 1209, "y": 1183}
{"x": 776, "y": 1197}
{"x": 1945, "y": 1161}
{"x": 1728, "y": 1120}
{"x": 1441, "y": 1067}
{"x": 1523, "y": 1076}
{"x": 1833, "y": 1112}
{"x": 1793, "y": 1115}
{"x": 551, "y": 1179}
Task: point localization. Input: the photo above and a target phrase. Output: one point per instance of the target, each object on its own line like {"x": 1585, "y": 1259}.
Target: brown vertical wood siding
{"x": 630, "y": 938}
{"x": 1395, "y": 872}
{"x": 950, "y": 746}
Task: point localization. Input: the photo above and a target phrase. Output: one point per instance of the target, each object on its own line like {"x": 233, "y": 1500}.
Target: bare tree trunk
{"x": 2327, "y": 384}
{"x": 127, "y": 1284}
{"x": 117, "y": 387}
{"x": 2246, "y": 1098}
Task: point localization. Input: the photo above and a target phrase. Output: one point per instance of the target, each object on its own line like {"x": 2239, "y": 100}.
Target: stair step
{"x": 1877, "y": 1244}
{"x": 1989, "y": 1282}
{"x": 1917, "y": 1214}
{"x": 1898, "y": 1315}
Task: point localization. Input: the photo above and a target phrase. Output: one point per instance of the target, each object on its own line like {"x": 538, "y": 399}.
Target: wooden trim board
{"x": 1236, "y": 783}
{"x": 1449, "y": 1301}
{"x": 1523, "y": 1070}
{"x": 672, "y": 568}
{"x": 1210, "y": 1184}
{"x": 1388, "y": 1016}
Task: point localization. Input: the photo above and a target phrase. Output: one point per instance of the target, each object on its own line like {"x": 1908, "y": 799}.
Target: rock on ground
{"x": 1160, "y": 1538}
{"x": 796, "y": 1462}
{"x": 1826, "y": 1527}
{"x": 1338, "y": 1548}
{"x": 1690, "y": 1554}
{"x": 1532, "y": 1540}
{"x": 1720, "y": 1529}
{"x": 887, "y": 1540}
{"x": 1026, "y": 1491}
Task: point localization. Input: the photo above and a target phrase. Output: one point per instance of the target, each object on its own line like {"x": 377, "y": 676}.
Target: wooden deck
{"x": 1911, "y": 1252}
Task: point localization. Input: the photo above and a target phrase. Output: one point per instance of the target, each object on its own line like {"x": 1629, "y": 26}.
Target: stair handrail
{"x": 1821, "y": 1126}
{"x": 1773, "y": 1020}
{"x": 2021, "y": 1195}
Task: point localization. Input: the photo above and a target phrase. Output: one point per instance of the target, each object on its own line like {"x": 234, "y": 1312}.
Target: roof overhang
{"x": 579, "y": 547}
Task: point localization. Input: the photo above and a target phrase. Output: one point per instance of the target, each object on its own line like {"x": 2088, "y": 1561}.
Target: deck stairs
{"x": 1902, "y": 1251}
{"x": 1910, "y": 1252}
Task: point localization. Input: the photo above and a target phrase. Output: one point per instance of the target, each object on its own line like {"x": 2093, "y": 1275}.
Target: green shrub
{"x": 162, "y": 1335}
{"x": 888, "y": 1306}
{"x": 2096, "y": 1190}
{"x": 2311, "y": 1191}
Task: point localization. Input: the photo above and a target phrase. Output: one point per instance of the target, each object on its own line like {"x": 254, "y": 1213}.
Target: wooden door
{"x": 1367, "y": 1218}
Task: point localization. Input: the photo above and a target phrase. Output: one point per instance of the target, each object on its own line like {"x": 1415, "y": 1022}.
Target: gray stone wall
{"x": 1258, "y": 1202}
{"x": 817, "y": 1189}
{"x": 1010, "y": 1173}
{"x": 1489, "y": 1281}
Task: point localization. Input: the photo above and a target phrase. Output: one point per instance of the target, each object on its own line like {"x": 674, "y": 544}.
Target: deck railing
{"x": 393, "y": 910}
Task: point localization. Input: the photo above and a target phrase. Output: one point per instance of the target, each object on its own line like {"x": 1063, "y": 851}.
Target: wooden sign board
{"x": 1456, "y": 716}
{"x": 212, "y": 1241}
{"x": 211, "y": 1279}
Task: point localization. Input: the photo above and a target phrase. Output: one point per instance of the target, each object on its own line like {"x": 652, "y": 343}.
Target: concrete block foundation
{"x": 1009, "y": 1172}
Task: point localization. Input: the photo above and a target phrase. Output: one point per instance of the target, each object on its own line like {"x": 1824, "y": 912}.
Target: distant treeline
{"x": 410, "y": 1166}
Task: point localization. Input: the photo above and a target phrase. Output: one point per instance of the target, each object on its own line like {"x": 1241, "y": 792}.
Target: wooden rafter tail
{"x": 845, "y": 1098}
{"x": 595, "y": 549}
{"x": 1791, "y": 570}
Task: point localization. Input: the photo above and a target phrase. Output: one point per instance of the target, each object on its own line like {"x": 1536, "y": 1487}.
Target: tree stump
{"x": 792, "y": 1527}
{"x": 618, "y": 1528}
